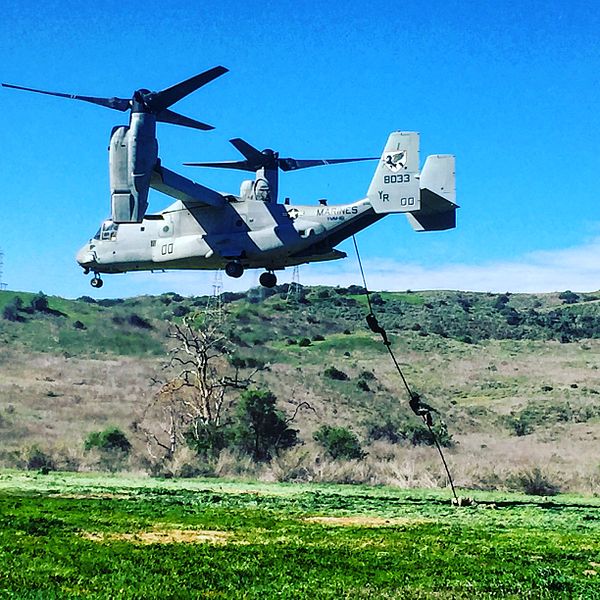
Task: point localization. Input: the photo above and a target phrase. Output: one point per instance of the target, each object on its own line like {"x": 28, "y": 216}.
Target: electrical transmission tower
{"x": 293, "y": 292}
{"x": 2, "y": 284}
{"x": 214, "y": 304}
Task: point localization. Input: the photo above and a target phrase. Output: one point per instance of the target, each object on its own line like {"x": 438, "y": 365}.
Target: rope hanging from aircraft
{"x": 420, "y": 408}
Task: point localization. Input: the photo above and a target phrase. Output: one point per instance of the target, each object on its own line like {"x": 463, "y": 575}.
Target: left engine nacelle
{"x": 133, "y": 154}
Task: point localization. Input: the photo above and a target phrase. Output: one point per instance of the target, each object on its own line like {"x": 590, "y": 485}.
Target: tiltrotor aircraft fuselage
{"x": 206, "y": 229}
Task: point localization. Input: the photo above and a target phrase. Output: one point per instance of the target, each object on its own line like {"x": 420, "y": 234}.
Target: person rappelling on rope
{"x": 421, "y": 409}
{"x": 375, "y": 327}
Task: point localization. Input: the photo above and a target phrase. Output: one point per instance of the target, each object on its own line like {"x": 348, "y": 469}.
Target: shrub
{"x": 39, "y": 302}
{"x": 261, "y": 429}
{"x": 138, "y": 321}
{"x": 79, "y": 325}
{"x": 411, "y": 430}
{"x": 339, "y": 442}
{"x": 304, "y": 342}
{"x": 11, "y": 311}
{"x": 109, "y": 440}
{"x": 334, "y": 373}
{"x": 569, "y": 297}
{"x": 180, "y": 310}
{"x": 362, "y": 385}
{"x": 208, "y": 439}
{"x": 367, "y": 375}
{"x": 38, "y": 460}
{"x": 535, "y": 483}
{"x": 385, "y": 431}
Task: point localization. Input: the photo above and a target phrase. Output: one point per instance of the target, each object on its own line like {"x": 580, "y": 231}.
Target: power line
{"x": 2, "y": 284}
{"x": 214, "y": 303}
{"x": 293, "y": 292}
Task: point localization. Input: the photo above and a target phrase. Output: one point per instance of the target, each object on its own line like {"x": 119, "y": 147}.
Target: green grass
{"x": 55, "y": 331}
{"x": 395, "y": 543}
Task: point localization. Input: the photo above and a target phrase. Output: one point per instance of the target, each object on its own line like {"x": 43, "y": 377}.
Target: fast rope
{"x": 420, "y": 408}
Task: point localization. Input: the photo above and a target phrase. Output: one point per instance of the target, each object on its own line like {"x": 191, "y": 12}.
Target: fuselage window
{"x": 109, "y": 231}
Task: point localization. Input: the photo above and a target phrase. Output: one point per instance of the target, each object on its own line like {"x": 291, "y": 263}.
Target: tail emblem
{"x": 395, "y": 161}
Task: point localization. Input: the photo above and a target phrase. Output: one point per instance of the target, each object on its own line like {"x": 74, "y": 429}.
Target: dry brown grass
{"x": 163, "y": 535}
{"x": 54, "y": 402}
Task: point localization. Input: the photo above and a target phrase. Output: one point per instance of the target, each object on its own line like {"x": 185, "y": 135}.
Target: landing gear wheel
{"x": 268, "y": 280}
{"x": 234, "y": 269}
{"x": 96, "y": 282}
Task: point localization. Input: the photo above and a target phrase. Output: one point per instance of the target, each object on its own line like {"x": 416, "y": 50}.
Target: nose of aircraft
{"x": 86, "y": 257}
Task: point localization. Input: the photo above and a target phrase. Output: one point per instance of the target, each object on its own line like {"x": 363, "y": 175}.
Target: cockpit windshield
{"x": 108, "y": 231}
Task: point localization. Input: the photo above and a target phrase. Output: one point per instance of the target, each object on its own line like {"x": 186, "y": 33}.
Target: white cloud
{"x": 543, "y": 271}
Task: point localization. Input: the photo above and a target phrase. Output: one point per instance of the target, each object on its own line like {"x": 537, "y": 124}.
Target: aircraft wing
{"x": 189, "y": 192}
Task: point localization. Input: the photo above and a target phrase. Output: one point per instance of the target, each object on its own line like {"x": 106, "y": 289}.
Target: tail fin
{"x": 438, "y": 206}
{"x": 395, "y": 185}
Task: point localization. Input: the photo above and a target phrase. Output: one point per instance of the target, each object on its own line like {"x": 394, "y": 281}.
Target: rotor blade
{"x": 115, "y": 103}
{"x": 158, "y": 101}
{"x": 168, "y": 116}
{"x": 240, "y": 165}
{"x": 291, "y": 164}
{"x": 250, "y": 152}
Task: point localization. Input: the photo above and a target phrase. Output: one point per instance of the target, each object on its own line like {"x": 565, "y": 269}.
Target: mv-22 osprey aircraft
{"x": 206, "y": 229}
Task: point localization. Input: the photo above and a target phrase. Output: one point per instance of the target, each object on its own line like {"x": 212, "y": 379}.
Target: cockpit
{"x": 107, "y": 232}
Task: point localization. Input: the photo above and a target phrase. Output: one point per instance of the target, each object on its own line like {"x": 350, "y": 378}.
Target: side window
{"x": 109, "y": 231}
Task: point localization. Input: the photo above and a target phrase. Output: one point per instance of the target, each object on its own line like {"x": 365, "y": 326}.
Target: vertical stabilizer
{"x": 395, "y": 185}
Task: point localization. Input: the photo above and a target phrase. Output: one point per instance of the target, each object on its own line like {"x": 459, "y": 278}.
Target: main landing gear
{"x": 96, "y": 282}
{"x": 268, "y": 279}
{"x": 234, "y": 269}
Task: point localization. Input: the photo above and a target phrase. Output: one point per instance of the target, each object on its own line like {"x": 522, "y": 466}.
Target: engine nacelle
{"x": 133, "y": 154}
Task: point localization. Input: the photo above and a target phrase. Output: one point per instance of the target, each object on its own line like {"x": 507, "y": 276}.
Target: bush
{"x": 111, "y": 439}
{"x": 261, "y": 429}
{"x": 39, "y": 303}
{"x": 339, "y": 442}
{"x": 385, "y": 431}
{"x": 569, "y": 297}
{"x": 138, "y": 321}
{"x": 11, "y": 311}
{"x": 411, "y": 430}
{"x": 333, "y": 373}
{"x": 304, "y": 342}
{"x": 208, "y": 439}
{"x": 535, "y": 483}
{"x": 180, "y": 310}
{"x": 38, "y": 460}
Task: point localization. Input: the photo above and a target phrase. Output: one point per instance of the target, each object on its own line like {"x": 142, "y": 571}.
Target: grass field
{"x": 74, "y": 535}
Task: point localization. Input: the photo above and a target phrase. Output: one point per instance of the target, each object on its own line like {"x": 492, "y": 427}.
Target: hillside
{"x": 514, "y": 377}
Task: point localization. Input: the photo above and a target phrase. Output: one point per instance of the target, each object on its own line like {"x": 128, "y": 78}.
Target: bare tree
{"x": 202, "y": 376}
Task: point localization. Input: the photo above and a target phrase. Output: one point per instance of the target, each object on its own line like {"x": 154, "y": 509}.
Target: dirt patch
{"x": 92, "y": 496}
{"x": 163, "y": 536}
{"x": 364, "y": 521}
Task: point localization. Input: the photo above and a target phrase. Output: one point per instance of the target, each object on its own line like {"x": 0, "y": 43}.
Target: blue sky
{"x": 510, "y": 88}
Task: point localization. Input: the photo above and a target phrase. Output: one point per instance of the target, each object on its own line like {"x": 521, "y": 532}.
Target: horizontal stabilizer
{"x": 436, "y": 213}
{"x": 175, "y": 185}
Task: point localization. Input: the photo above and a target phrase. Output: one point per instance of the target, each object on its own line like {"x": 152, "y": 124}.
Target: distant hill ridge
{"x": 135, "y": 326}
